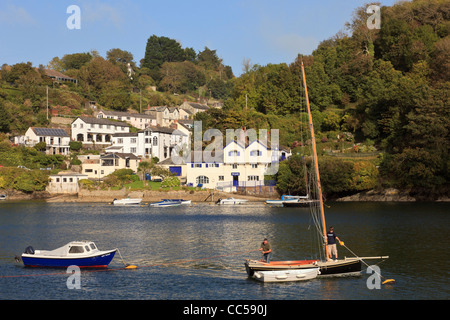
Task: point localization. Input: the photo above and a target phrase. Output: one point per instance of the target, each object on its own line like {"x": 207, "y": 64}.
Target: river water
{"x": 198, "y": 252}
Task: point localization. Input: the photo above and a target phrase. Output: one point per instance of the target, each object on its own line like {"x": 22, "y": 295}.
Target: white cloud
{"x": 101, "y": 12}
{"x": 13, "y": 15}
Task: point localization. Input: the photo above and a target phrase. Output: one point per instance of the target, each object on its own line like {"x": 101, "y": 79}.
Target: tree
{"x": 208, "y": 59}
{"x": 117, "y": 55}
{"x": 181, "y": 77}
{"x": 160, "y": 50}
{"x": 5, "y": 118}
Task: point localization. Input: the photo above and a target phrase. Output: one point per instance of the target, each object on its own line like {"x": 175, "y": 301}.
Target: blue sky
{"x": 261, "y": 30}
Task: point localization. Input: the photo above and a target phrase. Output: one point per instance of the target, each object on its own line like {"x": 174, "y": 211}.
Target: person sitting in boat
{"x": 266, "y": 250}
{"x": 331, "y": 244}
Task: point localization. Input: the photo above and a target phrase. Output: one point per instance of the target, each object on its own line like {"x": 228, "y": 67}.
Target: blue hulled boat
{"x": 83, "y": 254}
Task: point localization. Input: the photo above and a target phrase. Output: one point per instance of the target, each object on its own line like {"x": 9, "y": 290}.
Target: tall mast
{"x": 316, "y": 164}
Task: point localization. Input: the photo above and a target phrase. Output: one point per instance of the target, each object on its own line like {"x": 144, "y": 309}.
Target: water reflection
{"x": 198, "y": 252}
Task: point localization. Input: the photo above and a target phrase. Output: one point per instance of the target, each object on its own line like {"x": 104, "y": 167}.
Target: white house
{"x": 138, "y": 120}
{"x": 65, "y": 182}
{"x": 150, "y": 142}
{"x": 56, "y": 140}
{"x": 91, "y": 130}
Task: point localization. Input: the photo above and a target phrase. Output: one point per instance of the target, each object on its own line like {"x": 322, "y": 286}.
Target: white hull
{"x": 171, "y": 203}
{"x": 286, "y": 275}
{"x": 127, "y": 202}
{"x": 231, "y": 201}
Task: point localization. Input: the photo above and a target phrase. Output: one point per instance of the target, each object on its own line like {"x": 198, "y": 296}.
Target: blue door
{"x": 235, "y": 181}
{"x": 176, "y": 170}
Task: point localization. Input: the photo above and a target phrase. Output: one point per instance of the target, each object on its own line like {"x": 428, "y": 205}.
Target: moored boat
{"x": 166, "y": 203}
{"x": 181, "y": 201}
{"x": 231, "y": 201}
{"x": 284, "y": 198}
{"x": 3, "y": 196}
{"x": 127, "y": 202}
{"x": 80, "y": 253}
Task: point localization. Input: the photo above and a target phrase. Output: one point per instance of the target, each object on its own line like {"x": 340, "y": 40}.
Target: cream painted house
{"x": 236, "y": 166}
{"x": 65, "y": 182}
{"x": 101, "y": 166}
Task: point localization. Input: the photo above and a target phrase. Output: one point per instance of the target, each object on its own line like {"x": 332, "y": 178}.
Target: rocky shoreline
{"x": 387, "y": 195}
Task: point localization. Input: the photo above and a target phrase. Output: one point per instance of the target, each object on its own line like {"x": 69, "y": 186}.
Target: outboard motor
{"x": 29, "y": 250}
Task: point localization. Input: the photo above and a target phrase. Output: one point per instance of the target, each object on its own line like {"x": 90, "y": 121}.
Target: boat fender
{"x": 29, "y": 250}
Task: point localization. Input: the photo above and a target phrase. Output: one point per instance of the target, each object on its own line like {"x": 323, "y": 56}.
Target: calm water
{"x": 197, "y": 252}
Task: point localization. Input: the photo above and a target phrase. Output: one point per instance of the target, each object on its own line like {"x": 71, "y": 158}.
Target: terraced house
{"x": 97, "y": 131}
{"x": 150, "y": 142}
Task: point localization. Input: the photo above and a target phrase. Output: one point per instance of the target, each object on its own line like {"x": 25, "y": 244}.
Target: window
{"x": 235, "y": 166}
{"x": 87, "y": 248}
{"x": 255, "y": 153}
{"x": 120, "y": 140}
{"x": 254, "y": 165}
{"x": 93, "y": 246}
{"x": 253, "y": 178}
{"x": 234, "y": 153}
{"x": 81, "y": 126}
{"x": 133, "y": 150}
{"x": 74, "y": 125}
{"x": 202, "y": 180}
{"x": 133, "y": 140}
{"x": 76, "y": 249}
{"x": 221, "y": 178}
{"x": 155, "y": 141}
{"x": 88, "y": 170}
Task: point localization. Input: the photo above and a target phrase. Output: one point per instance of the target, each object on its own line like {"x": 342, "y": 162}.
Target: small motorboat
{"x": 166, "y": 203}
{"x": 231, "y": 201}
{"x": 127, "y": 202}
{"x": 284, "y": 198}
{"x": 181, "y": 201}
{"x": 79, "y": 253}
{"x": 2, "y": 196}
{"x": 286, "y": 275}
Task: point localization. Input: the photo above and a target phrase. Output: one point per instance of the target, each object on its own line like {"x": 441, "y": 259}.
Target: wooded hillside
{"x": 386, "y": 89}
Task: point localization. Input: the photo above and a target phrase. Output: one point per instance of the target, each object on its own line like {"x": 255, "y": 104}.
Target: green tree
{"x": 160, "y": 50}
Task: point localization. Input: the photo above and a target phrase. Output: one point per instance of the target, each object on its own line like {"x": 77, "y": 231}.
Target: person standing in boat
{"x": 266, "y": 250}
{"x": 331, "y": 244}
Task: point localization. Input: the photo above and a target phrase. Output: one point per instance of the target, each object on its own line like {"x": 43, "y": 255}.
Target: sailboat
{"x": 327, "y": 267}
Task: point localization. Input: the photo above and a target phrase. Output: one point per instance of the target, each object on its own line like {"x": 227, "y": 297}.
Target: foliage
{"x": 23, "y": 180}
{"x": 170, "y": 182}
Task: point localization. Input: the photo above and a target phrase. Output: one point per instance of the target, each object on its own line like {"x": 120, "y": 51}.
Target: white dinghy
{"x": 286, "y": 275}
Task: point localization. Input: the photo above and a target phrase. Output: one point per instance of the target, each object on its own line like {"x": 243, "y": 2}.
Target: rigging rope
{"x": 140, "y": 267}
